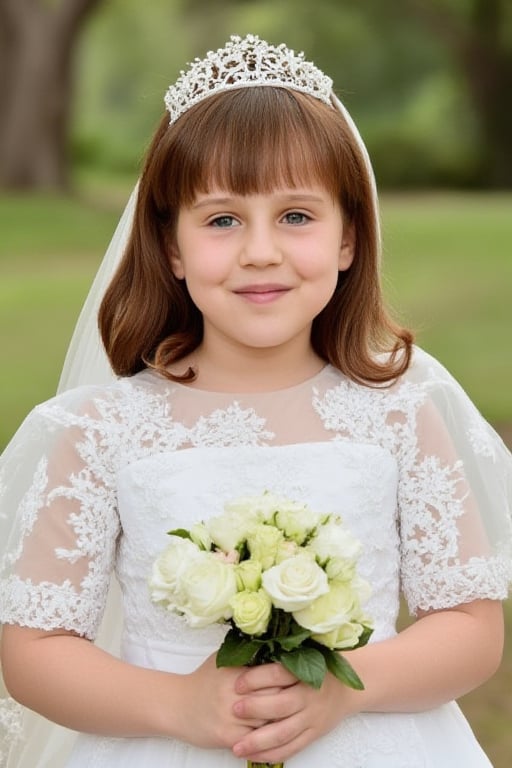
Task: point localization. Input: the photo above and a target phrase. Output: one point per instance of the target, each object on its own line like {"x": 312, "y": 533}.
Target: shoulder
{"x": 100, "y": 402}
{"x": 89, "y": 411}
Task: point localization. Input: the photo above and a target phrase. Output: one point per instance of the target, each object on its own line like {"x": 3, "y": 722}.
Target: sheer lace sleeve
{"x": 455, "y": 498}
{"x": 57, "y": 478}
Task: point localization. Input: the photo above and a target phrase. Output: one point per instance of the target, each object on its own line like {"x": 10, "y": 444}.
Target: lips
{"x": 262, "y": 293}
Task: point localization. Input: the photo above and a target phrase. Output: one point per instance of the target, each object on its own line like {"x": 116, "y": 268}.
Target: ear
{"x": 176, "y": 263}
{"x": 348, "y": 246}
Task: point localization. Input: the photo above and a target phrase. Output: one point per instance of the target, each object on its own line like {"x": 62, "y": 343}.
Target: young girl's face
{"x": 261, "y": 267}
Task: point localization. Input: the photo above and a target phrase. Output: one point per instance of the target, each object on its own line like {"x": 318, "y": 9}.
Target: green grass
{"x": 447, "y": 266}
{"x": 49, "y": 251}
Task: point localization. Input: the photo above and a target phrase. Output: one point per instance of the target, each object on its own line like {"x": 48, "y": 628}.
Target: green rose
{"x": 248, "y": 575}
{"x": 330, "y": 610}
{"x": 344, "y": 637}
{"x": 263, "y": 542}
{"x": 340, "y": 569}
{"x": 251, "y": 611}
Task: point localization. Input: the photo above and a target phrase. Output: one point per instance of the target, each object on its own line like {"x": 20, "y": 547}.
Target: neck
{"x": 252, "y": 370}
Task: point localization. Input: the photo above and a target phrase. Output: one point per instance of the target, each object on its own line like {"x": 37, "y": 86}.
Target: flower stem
{"x": 250, "y": 764}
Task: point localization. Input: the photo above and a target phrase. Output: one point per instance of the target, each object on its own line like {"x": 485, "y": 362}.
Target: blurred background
{"x": 429, "y": 83}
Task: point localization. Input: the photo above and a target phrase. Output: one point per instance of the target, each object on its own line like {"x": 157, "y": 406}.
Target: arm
{"x": 445, "y": 654}
{"x": 76, "y": 684}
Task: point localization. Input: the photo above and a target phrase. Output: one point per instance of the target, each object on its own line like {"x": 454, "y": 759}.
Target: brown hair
{"x": 249, "y": 141}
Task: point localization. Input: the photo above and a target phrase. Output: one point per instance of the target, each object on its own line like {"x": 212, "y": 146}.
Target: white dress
{"x": 408, "y": 467}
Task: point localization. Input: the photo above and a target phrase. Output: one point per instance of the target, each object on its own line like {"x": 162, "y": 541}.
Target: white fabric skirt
{"x": 438, "y": 738}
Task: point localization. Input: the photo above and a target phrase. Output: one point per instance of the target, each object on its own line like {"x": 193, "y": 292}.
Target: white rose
{"x": 165, "y": 580}
{"x": 330, "y": 610}
{"x": 227, "y": 531}
{"x": 208, "y": 586}
{"x": 332, "y": 540}
{"x": 254, "y": 509}
{"x": 251, "y": 611}
{"x": 297, "y": 521}
{"x": 295, "y": 583}
{"x": 286, "y": 549}
{"x": 200, "y": 536}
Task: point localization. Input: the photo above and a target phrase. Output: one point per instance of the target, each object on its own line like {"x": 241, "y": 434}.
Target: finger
{"x": 273, "y": 742}
{"x": 264, "y": 676}
{"x": 268, "y": 708}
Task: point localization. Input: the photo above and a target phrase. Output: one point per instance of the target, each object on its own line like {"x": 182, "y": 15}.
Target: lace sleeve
{"x": 57, "y": 481}
{"x": 455, "y": 498}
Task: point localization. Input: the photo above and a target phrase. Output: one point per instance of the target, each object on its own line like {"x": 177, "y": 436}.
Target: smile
{"x": 262, "y": 294}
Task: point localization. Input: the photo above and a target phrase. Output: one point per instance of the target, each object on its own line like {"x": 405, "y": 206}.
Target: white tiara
{"x": 242, "y": 63}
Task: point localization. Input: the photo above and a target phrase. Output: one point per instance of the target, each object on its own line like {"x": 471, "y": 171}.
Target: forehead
{"x": 254, "y": 141}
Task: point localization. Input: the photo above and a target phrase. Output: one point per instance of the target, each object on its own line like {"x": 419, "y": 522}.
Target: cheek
{"x": 317, "y": 267}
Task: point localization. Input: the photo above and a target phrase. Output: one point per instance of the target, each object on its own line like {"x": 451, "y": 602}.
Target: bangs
{"x": 255, "y": 140}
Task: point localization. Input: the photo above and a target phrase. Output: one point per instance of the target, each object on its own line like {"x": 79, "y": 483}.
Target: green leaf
{"x": 307, "y": 664}
{"x": 181, "y": 532}
{"x": 340, "y": 668}
{"x": 364, "y": 636}
{"x": 236, "y": 651}
{"x": 290, "y": 642}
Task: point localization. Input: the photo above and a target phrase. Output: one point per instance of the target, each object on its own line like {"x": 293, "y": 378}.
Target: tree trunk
{"x": 487, "y": 62}
{"x": 36, "y": 63}
{"x": 482, "y": 49}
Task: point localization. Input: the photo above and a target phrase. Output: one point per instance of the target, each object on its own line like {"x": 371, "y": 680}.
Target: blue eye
{"x": 224, "y": 222}
{"x": 294, "y": 217}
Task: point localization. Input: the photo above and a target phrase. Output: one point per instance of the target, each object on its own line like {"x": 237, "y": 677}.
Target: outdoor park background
{"x": 426, "y": 83}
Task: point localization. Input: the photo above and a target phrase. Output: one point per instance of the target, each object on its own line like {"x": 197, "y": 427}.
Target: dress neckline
{"x": 222, "y": 394}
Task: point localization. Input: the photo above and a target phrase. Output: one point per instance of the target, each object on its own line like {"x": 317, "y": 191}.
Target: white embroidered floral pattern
{"x": 120, "y": 466}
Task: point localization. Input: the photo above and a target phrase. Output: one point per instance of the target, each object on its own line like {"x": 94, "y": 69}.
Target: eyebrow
{"x": 291, "y": 198}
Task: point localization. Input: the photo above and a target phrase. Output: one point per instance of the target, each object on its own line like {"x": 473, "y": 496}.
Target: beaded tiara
{"x": 243, "y": 63}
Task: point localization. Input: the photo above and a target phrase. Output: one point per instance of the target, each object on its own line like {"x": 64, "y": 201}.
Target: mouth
{"x": 262, "y": 293}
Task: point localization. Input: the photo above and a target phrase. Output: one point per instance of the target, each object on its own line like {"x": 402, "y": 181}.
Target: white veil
{"x": 86, "y": 361}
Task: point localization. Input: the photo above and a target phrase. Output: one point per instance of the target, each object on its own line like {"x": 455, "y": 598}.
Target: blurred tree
{"x": 479, "y": 35}
{"x": 37, "y": 41}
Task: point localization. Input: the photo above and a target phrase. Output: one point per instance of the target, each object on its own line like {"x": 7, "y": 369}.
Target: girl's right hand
{"x": 208, "y": 701}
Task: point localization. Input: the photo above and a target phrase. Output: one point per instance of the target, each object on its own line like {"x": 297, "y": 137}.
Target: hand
{"x": 293, "y": 713}
{"x": 208, "y": 703}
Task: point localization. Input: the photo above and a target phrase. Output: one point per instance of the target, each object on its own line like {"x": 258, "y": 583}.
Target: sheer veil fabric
{"x": 30, "y": 741}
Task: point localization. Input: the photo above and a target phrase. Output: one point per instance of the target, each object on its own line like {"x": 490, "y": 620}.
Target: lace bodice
{"x": 125, "y": 463}
{"x": 97, "y": 475}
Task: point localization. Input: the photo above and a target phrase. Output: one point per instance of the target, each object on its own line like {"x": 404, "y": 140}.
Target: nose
{"x": 260, "y": 247}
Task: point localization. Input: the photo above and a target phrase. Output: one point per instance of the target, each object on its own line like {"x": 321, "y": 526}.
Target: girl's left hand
{"x": 295, "y": 713}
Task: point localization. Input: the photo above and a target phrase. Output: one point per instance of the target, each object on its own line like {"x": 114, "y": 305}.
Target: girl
{"x": 246, "y": 326}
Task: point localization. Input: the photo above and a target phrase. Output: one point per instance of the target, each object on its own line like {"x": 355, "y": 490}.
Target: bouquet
{"x": 281, "y": 575}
